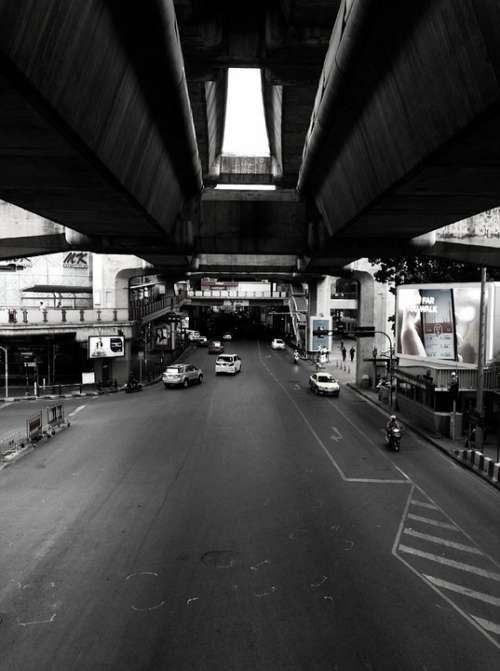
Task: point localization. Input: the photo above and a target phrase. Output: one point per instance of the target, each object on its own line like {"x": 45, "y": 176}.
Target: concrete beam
{"x": 403, "y": 137}
{"x": 95, "y": 126}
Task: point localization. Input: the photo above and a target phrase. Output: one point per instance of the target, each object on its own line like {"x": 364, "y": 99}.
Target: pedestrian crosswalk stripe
{"x": 442, "y": 541}
{"x": 486, "y": 624}
{"x": 459, "y": 589}
{"x": 434, "y": 523}
{"x": 451, "y": 562}
{"x": 422, "y": 504}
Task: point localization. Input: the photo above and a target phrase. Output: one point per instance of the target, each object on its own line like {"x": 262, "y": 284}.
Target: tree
{"x": 421, "y": 269}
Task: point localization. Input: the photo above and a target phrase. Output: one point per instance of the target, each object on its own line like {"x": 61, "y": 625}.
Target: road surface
{"x": 243, "y": 524}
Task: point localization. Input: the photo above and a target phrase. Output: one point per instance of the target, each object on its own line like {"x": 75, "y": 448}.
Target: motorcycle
{"x": 133, "y": 386}
{"x": 393, "y": 438}
{"x": 296, "y": 358}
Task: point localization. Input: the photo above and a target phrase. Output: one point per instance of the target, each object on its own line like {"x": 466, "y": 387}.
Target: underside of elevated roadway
{"x": 383, "y": 122}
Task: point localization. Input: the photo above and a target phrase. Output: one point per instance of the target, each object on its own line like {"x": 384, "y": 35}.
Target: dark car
{"x": 215, "y": 347}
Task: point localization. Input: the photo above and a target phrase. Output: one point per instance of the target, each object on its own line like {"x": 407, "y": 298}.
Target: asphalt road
{"x": 244, "y": 524}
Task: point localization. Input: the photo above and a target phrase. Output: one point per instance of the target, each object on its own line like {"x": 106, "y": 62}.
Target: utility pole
{"x": 4, "y": 349}
{"x": 480, "y": 363}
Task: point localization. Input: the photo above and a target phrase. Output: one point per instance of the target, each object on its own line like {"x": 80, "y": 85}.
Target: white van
{"x": 228, "y": 363}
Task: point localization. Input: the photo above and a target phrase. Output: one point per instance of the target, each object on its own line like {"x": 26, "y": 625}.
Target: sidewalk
{"x": 483, "y": 463}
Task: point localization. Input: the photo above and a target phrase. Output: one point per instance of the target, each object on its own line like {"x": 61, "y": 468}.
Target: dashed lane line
{"x": 468, "y": 568}
{"x": 442, "y": 541}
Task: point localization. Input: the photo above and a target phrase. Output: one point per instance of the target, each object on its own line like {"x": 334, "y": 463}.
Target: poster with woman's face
{"x": 439, "y": 323}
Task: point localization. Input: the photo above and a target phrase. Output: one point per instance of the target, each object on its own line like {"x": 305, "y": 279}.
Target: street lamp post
{"x": 4, "y": 349}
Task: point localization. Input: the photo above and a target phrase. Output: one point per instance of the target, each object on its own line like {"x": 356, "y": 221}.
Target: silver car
{"x": 182, "y": 375}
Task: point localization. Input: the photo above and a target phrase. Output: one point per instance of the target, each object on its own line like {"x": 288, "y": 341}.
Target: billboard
{"x": 439, "y": 321}
{"x": 100, "y": 347}
{"x": 317, "y": 343}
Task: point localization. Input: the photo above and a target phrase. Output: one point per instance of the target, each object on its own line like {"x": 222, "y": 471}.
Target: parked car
{"x": 228, "y": 363}
{"x": 215, "y": 347}
{"x": 182, "y": 375}
{"x": 227, "y": 336}
{"x": 324, "y": 383}
{"x": 277, "y": 343}
{"x": 202, "y": 341}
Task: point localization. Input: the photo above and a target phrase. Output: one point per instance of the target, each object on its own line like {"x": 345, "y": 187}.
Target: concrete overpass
{"x": 382, "y": 120}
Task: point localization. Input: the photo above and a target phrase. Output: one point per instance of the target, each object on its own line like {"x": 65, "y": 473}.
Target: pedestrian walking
{"x": 344, "y": 353}
{"x": 352, "y": 352}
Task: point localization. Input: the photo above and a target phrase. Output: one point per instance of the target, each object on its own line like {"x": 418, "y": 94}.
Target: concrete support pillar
{"x": 366, "y": 317}
{"x": 319, "y": 303}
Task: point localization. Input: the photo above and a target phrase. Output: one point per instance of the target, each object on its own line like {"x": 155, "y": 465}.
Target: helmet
{"x": 393, "y": 418}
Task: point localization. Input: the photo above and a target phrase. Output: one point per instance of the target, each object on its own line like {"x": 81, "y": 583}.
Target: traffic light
{"x": 454, "y": 388}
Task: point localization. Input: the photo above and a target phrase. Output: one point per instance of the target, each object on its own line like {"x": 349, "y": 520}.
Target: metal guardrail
{"x": 14, "y": 441}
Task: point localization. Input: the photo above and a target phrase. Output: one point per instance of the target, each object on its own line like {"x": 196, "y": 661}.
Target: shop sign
{"x": 76, "y": 260}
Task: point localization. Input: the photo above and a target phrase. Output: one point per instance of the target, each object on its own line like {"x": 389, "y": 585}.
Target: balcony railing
{"x": 22, "y": 317}
{"x": 233, "y": 294}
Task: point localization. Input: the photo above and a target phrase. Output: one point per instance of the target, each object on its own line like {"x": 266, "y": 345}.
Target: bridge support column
{"x": 319, "y": 304}
{"x": 366, "y": 317}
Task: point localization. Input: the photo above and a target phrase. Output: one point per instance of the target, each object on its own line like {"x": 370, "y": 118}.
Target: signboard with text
{"x": 102, "y": 347}
{"x": 319, "y": 342}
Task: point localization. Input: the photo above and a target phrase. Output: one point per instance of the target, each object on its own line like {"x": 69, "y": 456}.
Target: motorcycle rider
{"x": 391, "y": 424}
{"x": 296, "y": 356}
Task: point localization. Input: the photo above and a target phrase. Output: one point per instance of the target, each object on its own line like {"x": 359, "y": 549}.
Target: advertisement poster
{"x": 317, "y": 343}
{"x": 101, "y": 347}
{"x": 438, "y": 327}
{"x": 439, "y": 322}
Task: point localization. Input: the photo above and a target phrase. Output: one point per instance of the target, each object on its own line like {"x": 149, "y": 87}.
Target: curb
{"x": 473, "y": 460}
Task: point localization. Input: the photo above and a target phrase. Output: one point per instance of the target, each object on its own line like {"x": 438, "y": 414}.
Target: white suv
{"x": 182, "y": 375}
{"x": 228, "y": 363}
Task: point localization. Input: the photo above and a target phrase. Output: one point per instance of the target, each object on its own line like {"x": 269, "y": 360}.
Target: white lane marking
{"x": 320, "y": 442}
{"x": 317, "y": 584}
{"x": 132, "y": 575}
{"x": 487, "y": 624}
{"x": 468, "y": 568}
{"x": 336, "y": 435}
{"x": 49, "y": 621}
{"x": 442, "y": 541}
{"x": 465, "y": 591}
{"x": 143, "y": 610}
{"x": 434, "y": 523}
{"x": 80, "y": 407}
{"x": 6, "y": 405}
{"x": 261, "y": 563}
{"x": 423, "y": 504}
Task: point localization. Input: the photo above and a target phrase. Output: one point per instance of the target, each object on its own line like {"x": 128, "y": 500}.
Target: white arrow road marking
{"x": 80, "y": 407}
{"x": 336, "y": 435}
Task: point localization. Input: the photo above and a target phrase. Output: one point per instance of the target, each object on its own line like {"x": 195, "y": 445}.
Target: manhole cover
{"x": 219, "y": 558}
